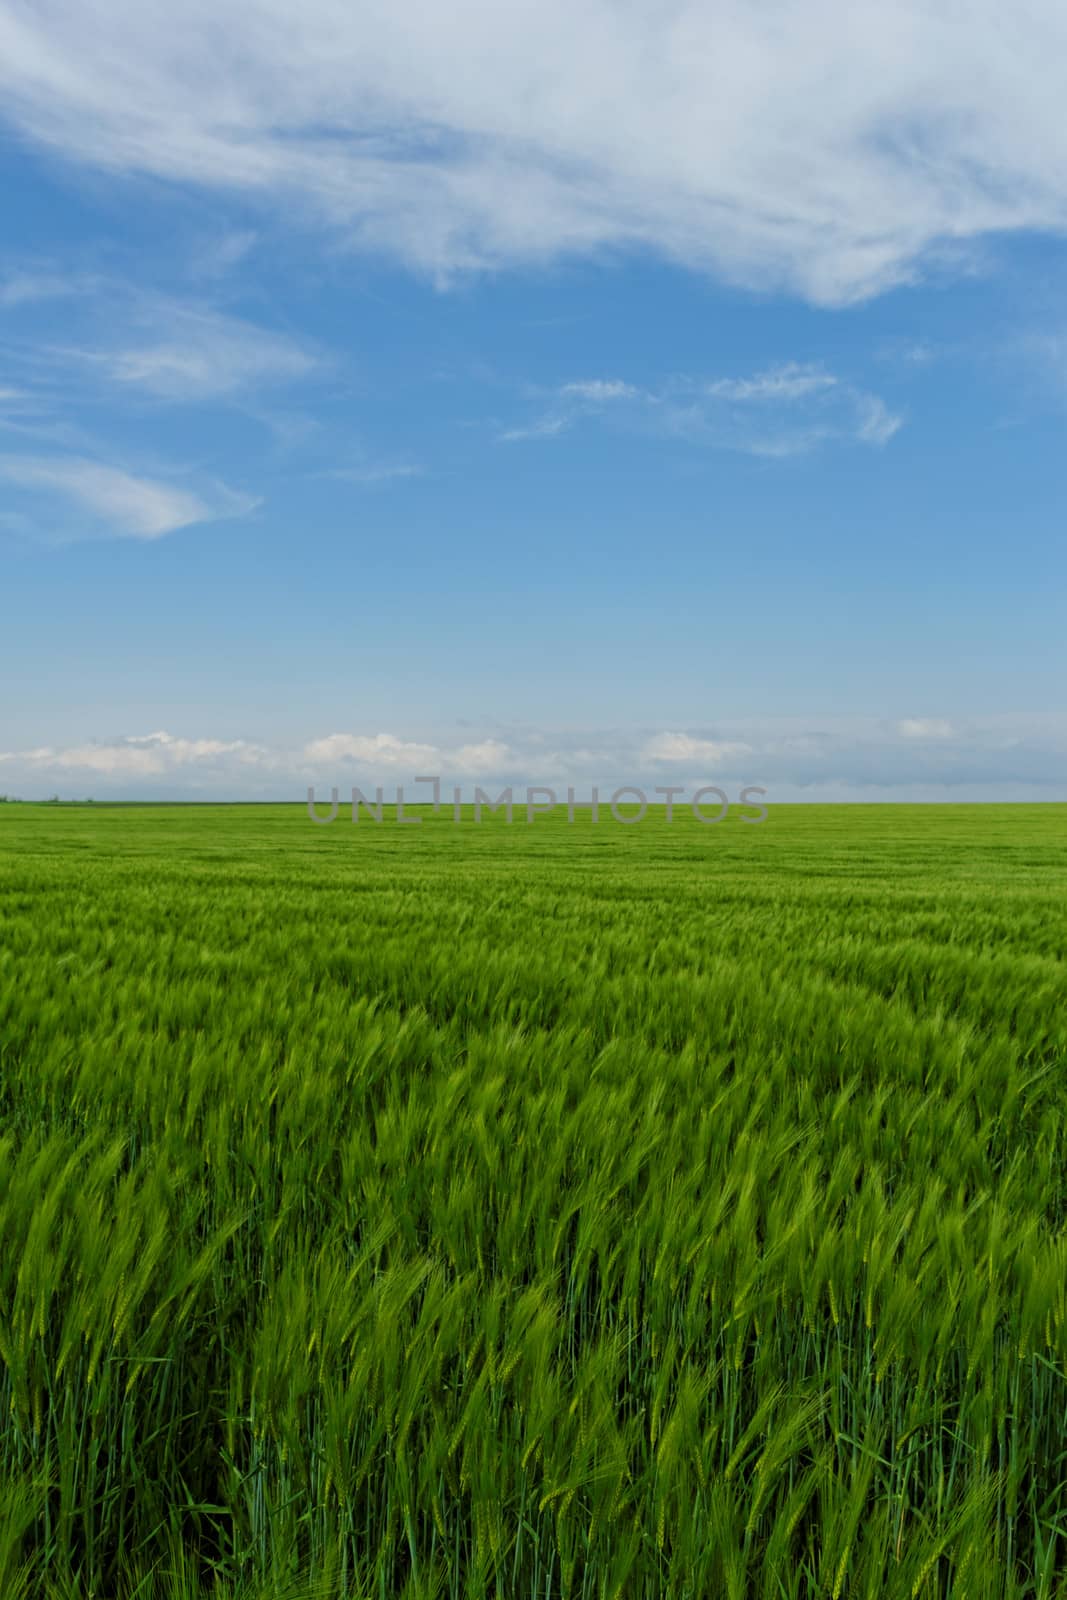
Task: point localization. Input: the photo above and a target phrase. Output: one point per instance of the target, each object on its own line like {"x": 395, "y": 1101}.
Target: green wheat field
{"x": 533, "y": 1211}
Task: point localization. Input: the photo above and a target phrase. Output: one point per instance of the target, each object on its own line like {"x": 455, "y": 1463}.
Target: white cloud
{"x": 139, "y": 756}
{"x": 924, "y": 728}
{"x": 678, "y": 748}
{"x": 118, "y": 503}
{"x": 491, "y": 755}
{"x": 769, "y": 144}
{"x": 379, "y": 750}
{"x": 386, "y": 752}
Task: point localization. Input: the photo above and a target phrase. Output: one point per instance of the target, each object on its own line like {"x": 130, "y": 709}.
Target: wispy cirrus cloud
{"x": 123, "y": 343}
{"x": 13, "y": 399}
{"x": 601, "y": 391}
{"x": 787, "y": 383}
{"x": 218, "y": 257}
{"x": 371, "y": 472}
{"x": 914, "y": 353}
{"x": 28, "y": 286}
{"x": 586, "y": 397}
{"x": 179, "y": 352}
{"x": 120, "y": 334}
{"x": 116, "y": 503}
{"x": 541, "y": 428}
{"x": 875, "y": 423}
{"x": 767, "y": 145}
{"x": 782, "y": 411}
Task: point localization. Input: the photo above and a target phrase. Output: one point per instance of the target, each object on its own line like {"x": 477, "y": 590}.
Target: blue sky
{"x": 587, "y": 394}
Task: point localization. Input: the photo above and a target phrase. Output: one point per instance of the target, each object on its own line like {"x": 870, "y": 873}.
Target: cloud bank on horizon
{"x": 841, "y": 758}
